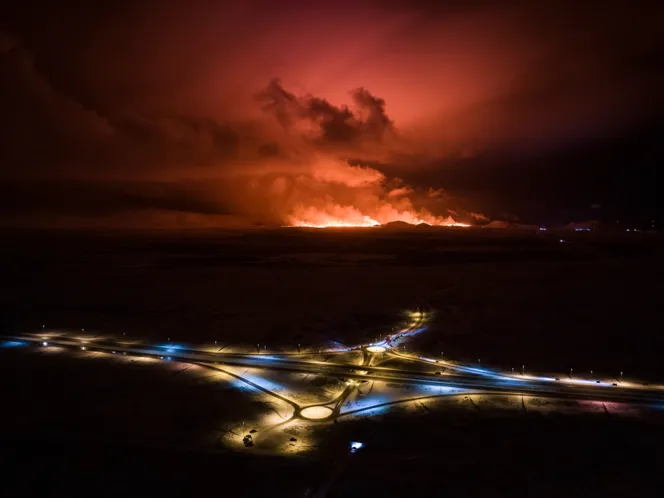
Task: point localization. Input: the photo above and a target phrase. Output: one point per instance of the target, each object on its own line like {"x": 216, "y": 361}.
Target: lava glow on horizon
{"x": 352, "y": 218}
{"x": 335, "y": 193}
{"x": 326, "y": 221}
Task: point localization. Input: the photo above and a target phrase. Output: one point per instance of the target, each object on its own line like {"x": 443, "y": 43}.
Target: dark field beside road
{"x": 507, "y": 297}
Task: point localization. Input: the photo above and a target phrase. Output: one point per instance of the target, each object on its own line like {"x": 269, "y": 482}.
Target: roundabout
{"x": 317, "y": 412}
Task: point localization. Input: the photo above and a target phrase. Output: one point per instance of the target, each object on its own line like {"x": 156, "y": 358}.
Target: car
{"x": 438, "y": 373}
{"x": 355, "y": 445}
{"x": 614, "y": 384}
{"x": 597, "y": 382}
{"x": 557, "y": 378}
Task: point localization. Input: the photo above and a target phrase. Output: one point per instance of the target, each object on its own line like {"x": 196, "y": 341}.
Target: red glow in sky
{"x": 305, "y": 113}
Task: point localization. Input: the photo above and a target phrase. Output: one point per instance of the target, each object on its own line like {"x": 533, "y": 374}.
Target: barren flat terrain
{"x": 507, "y": 297}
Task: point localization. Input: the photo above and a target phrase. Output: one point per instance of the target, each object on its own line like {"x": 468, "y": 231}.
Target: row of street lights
{"x": 479, "y": 361}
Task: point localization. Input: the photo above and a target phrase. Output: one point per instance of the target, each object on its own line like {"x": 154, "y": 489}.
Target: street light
{"x": 523, "y": 369}
{"x": 570, "y": 373}
{"x": 621, "y": 374}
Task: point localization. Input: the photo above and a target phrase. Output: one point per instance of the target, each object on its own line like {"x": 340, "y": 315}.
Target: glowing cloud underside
{"x": 334, "y": 193}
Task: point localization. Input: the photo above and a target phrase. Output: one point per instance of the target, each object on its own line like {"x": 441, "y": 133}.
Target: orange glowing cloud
{"x": 263, "y": 110}
{"x": 336, "y": 194}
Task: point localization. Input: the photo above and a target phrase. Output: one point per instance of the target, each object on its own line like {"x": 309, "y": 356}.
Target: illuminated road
{"x": 431, "y": 374}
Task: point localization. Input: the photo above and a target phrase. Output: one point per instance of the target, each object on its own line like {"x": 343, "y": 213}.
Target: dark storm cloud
{"x": 38, "y": 198}
{"x": 377, "y": 123}
{"x": 277, "y": 101}
{"x": 270, "y": 149}
{"x": 193, "y": 138}
{"x": 37, "y": 120}
{"x": 47, "y": 131}
{"x": 61, "y": 159}
{"x": 336, "y": 124}
{"x": 592, "y": 70}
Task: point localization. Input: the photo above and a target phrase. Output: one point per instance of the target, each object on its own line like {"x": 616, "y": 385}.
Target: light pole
{"x": 621, "y": 374}
{"x": 570, "y": 373}
{"x": 523, "y": 369}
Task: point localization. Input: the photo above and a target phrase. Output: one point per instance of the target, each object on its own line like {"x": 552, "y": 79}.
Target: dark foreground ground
{"x": 73, "y": 424}
{"x": 526, "y": 456}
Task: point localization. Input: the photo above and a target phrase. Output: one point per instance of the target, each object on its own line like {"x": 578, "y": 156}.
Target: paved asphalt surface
{"x": 432, "y": 372}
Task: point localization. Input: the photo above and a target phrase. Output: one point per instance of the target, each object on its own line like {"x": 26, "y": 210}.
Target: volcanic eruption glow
{"x": 336, "y": 216}
{"x": 336, "y": 194}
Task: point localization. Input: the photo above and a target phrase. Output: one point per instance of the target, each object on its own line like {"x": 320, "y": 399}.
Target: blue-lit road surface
{"x": 475, "y": 379}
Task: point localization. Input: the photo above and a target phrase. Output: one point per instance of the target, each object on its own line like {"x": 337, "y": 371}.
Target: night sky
{"x": 202, "y": 113}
